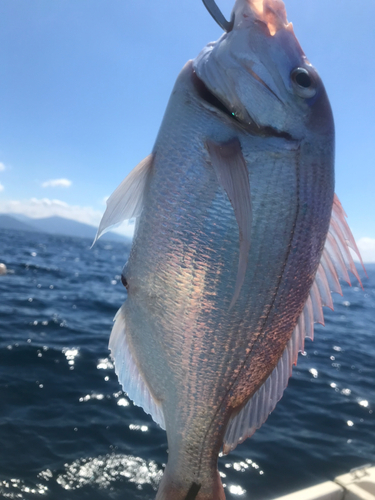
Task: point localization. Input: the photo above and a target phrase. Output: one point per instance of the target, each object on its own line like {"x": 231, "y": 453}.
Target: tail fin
{"x": 172, "y": 489}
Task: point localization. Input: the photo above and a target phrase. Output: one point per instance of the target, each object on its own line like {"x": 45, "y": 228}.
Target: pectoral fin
{"x": 126, "y": 201}
{"x": 231, "y": 171}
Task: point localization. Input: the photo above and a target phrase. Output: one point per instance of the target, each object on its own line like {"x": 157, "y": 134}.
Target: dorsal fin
{"x": 231, "y": 171}
{"x": 256, "y": 411}
{"x": 336, "y": 261}
{"x": 126, "y": 201}
{"x": 128, "y": 373}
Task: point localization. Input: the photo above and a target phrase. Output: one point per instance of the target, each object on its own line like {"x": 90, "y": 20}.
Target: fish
{"x": 239, "y": 241}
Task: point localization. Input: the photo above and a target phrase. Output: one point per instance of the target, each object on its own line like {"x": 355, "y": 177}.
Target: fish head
{"x": 260, "y": 74}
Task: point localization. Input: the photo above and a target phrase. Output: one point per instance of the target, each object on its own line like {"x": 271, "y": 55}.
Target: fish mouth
{"x": 214, "y": 104}
{"x": 271, "y": 13}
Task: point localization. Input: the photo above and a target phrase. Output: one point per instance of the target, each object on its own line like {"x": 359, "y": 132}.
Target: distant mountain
{"x": 55, "y": 225}
{"x": 9, "y": 222}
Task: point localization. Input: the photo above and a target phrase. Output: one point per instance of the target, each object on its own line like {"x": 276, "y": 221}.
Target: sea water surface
{"x": 67, "y": 431}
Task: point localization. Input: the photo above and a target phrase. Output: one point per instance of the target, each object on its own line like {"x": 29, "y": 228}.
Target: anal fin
{"x": 128, "y": 373}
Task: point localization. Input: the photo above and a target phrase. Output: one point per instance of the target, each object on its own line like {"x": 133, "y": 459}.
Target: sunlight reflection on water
{"x": 104, "y": 470}
{"x": 99, "y": 472}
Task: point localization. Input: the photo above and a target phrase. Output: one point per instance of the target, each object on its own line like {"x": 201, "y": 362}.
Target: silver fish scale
{"x": 199, "y": 359}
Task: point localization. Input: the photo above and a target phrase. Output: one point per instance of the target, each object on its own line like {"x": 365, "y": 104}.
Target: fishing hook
{"x": 216, "y": 13}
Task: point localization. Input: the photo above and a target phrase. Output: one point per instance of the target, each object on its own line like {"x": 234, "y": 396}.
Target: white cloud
{"x": 38, "y": 208}
{"x": 1, "y": 187}
{"x": 366, "y": 246}
{"x": 2, "y": 167}
{"x": 45, "y": 207}
{"x": 57, "y": 183}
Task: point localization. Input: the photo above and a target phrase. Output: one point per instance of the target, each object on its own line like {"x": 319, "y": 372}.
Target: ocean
{"x": 67, "y": 431}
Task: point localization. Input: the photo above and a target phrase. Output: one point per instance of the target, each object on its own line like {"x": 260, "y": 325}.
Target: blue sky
{"x": 84, "y": 85}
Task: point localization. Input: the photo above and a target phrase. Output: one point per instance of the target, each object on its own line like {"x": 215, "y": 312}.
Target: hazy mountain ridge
{"x": 9, "y": 222}
{"x": 54, "y": 225}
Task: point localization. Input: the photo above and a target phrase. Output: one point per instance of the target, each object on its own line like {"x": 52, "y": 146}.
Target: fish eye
{"x": 303, "y": 83}
{"x": 303, "y": 79}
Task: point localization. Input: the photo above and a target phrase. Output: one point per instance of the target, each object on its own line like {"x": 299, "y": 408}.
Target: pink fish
{"x": 239, "y": 242}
